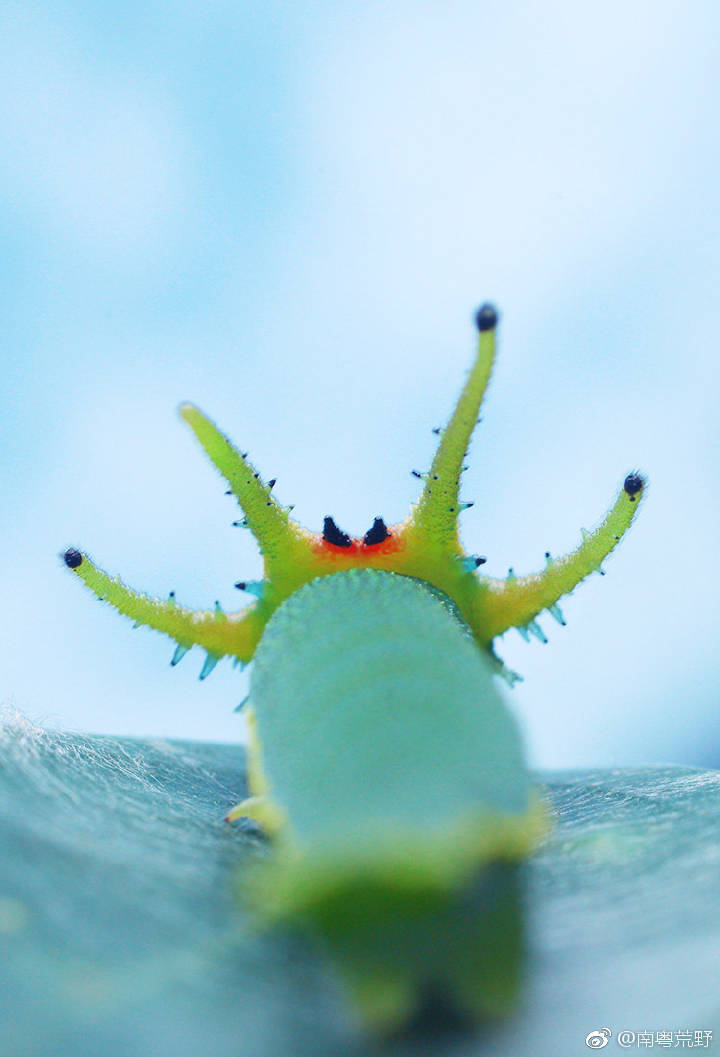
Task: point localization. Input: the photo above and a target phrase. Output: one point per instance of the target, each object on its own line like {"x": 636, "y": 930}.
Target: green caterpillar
{"x": 382, "y": 759}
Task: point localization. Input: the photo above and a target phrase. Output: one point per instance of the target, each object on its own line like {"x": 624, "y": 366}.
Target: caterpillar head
{"x": 425, "y": 545}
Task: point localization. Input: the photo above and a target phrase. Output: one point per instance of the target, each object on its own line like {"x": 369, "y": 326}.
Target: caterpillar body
{"x": 383, "y": 762}
{"x": 409, "y": 877}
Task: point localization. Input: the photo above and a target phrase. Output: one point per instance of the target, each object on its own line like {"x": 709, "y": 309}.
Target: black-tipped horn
{"x": 486, "y": 317}
{"x": 332, "y": 534}
{"x": 377, "y": 534}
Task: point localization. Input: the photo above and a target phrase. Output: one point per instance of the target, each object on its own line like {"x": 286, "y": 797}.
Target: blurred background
{"x": 287, "y": 214}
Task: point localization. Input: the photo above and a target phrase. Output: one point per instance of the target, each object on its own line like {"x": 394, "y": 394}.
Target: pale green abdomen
{"x": 377, "y": 713}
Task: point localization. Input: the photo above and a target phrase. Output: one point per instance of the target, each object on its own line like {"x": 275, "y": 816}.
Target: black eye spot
{"x": 332, "y": 534}
{"x": 377, "y": 534}
{"x": 634, "y": 483}
{"x": 72, "y": 558}
{"x": 486, "y": 317}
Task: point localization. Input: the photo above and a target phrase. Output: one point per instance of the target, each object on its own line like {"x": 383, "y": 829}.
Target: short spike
{"x": 178, "y": 655}
{"x": 510, "y": 676}
{"x": 253, "y": 587}
{"x": 470, "y": 562}
{"x": 535, "y": 629}
{"x": 557, "y": 614}
{"x": 210, "y": 662}
{"x": 241, "y": 706}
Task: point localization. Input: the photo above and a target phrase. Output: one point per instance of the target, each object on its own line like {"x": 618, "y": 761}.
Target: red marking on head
{"x": 391, "y": 545}
{"x": 360, "y": 552}
{"x": 323, "y": 549}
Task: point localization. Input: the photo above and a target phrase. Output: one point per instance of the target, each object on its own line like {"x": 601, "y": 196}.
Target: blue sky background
{"x": 287, "y": 213}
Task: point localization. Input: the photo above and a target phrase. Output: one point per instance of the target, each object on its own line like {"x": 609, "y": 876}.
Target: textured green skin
{"x": 387, "y": 746}
{"x": 376, "y": 710}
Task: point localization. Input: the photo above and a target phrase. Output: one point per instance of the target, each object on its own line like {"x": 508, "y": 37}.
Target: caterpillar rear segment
{"x": 425, "y": 546}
